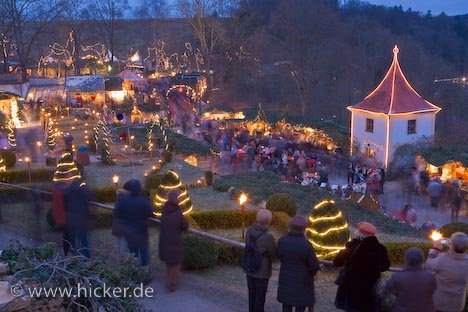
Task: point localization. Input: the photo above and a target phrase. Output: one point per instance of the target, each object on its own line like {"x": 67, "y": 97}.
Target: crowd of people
{"x": 129, "y": 227}
{"x": 438, "y": 284}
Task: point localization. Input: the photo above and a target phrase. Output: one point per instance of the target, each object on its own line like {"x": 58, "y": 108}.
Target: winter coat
{"x": 363, "y": 269}
{"x": 134, "y": 210}
{"x": 434, "y": 189}
{"x": 413, "y": 289}
{"x": 171, "y": 249}
{"x": 118, "y": 224}
{"x": 76, "y": 200}
{"x": 265, "y": 246}
{"x": 299, "y": 264}
{"x": 451, "y": 272}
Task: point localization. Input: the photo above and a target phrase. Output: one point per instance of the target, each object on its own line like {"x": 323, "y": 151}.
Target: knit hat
{"x": 367, "y": 228}
{"x": 297, "y": 224}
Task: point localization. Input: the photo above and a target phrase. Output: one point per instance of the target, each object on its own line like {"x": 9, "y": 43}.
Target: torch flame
{"x": 436, "y": 235}
{"x": 242, "y": 199}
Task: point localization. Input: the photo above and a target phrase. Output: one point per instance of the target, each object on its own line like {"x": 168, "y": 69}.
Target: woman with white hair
{"x": 260, "y": 241}
{"x": 413, "y": 287}
{"x": 451, "y": 272}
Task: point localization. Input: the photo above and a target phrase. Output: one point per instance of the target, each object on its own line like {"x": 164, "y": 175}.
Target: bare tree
{"x": 303, "y": 38}
{"x": 205, "y": 18}
{"x": 107, "y": 13}
{"x": 25, "y": 20}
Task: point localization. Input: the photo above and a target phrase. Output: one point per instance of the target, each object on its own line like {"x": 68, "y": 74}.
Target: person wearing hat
{"x": 363, "y": 258}
{"x": 299, "y": 264}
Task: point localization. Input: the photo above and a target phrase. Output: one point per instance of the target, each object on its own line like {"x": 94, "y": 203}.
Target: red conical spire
{"x": 394, "y": 95}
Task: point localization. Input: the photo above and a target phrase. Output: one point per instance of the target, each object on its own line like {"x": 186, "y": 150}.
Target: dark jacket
{"x": 265, "y": 245}
{"x": 363, "y": 269}
{"x": 118, "y": 224}
{"x": 76, "y": 198}
{"x": 134, "y": 210}
{"x": 171, "y": 249}
{"x": 298, "y": 267}
{"x": 413, "y": 289}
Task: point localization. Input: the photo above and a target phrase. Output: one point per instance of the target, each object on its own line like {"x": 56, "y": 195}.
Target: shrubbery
{"x": 22, "y": 176}
{"x": 450, "y": 228}
{"x": 223, "y": 219}
{"x": 9, "y": 158}
{"x": 200, "y": 253}
{"x": 282, "y": 202}
{"x": 167, "y": 156}
{"x": 152, "y": 181}
{"x": 397, "y": 250}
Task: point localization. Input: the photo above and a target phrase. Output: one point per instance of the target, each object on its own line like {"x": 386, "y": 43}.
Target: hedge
{"x": 9, "y": 158}
{"x": 224, "y": 219}
{"x": 199, "y": 252}
{"x": 450, "y": 228}
{"x": 396, "y": 250}
{"x": 22, "y": 175}
{"x": 282, "y": 202}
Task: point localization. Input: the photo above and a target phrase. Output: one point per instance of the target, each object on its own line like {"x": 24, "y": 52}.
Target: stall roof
{"x": 438, "y": 156}
{"x": 90, "y": 83}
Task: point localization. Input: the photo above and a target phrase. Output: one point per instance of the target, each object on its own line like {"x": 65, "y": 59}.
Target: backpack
{"x": 252, "y": 260}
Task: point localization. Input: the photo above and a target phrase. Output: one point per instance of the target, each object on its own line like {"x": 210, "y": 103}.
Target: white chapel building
{"x": 393, "y": 114}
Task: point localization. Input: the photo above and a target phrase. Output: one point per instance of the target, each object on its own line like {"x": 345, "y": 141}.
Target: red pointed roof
{"x": 394, "y": 95}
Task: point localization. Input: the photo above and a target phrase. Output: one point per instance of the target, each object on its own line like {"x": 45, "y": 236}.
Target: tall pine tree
{"x": 171, "y": 181}
{"x": 327, "y": 228}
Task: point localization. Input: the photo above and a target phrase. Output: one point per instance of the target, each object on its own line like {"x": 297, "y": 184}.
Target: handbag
{"x": 340, "y": 298}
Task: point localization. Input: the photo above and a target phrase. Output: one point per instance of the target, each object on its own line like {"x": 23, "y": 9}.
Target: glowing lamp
{"x": 115, "y": 179}
{"x": 436, "y": 235}
{"x": 242, "y": 199}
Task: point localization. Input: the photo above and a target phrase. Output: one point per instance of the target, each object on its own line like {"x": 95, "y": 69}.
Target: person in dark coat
{"x": 171, "y": 249}
{"x": 364, "y": 258}
{"x": 265, "y": 245}
{"x": 135, "y": 209}
{"x": 118, "y": 224}
{"x": 299, "y": 264}
{"x": 76, "y": 198}
{"x": 413, "y": 287}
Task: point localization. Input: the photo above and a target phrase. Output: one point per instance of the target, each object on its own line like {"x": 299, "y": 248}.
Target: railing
{"x": 211, "y": 236}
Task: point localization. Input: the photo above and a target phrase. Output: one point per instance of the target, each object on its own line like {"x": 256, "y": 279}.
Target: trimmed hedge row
{"x": 396, "y": 251}
{"x": 22, "y": 175}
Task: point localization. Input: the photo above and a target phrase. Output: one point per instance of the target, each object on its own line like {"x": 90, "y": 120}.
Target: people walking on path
{"x": 135, "y": 209}
{"x": 171, "y": 249}
{"x": 76, "y": 198}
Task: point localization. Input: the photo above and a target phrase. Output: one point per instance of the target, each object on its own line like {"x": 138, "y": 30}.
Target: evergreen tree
{"x": 261, "y": 116}
{"x": 327, "y": 228}
{"x": 11, "y": 133}
{"x": 50, "y": 136}
{"x": 171, "y": 181}
{"x": 67, "y": 170}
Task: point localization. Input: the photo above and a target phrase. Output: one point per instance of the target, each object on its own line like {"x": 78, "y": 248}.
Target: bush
{"x": 199, "y": 253}
{"x": 450, "y": 228}
{"x": 282, "y": 202}
{"x": 281, "y": 221}
{"x": 167, "y": 156}
{"x": 209, "y": 177}
{"x": 224, "y": 219}
{"x": 230, "y": 255}
{"x": 153, "y": 180}
{"x": 22, "y": 176}
{"x": 9, "y": 158}
{"x": 105, "y": 194}
{"x": 396, "y": 251}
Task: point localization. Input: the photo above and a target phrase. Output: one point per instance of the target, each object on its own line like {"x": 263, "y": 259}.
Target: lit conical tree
{"x": 50, "y": 136}
{"x": 66, "y": 171}
{"x": 171, "y": 181}
{"x": 11, "y": 133}
{"x": 327, "y": 228}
